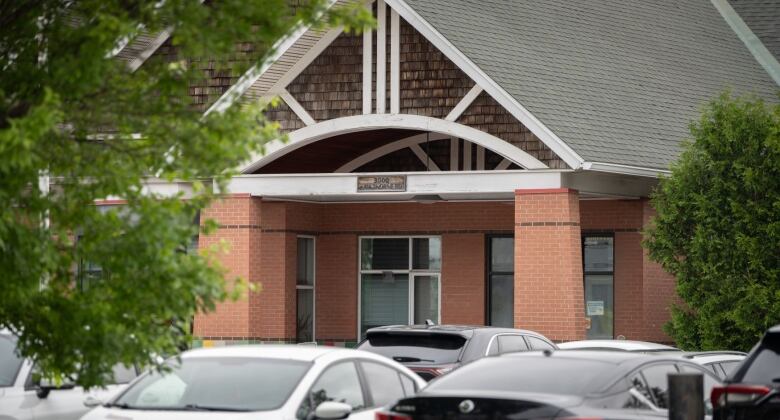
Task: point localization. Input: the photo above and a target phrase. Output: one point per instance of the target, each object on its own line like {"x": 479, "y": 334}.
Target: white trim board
{"x": 506, "y": 100}
{"x": 751, "y": 41}
{"x": 464, "y": 103}
{"x": 330, "y": 128}
{"x": 296, "y": 107}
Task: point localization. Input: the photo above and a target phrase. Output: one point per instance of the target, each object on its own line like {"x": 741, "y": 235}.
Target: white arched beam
{"x": 387, "y": 149}
{"x": 323, "y": 130}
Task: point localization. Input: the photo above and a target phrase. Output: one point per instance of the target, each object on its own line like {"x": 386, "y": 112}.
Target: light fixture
{"x": 427, "y": 198}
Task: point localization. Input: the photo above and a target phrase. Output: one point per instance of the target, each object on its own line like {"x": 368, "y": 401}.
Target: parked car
{"x": 551, "y": 384}
{"x": 721, "y": 363}
{"x": 23, "y": 397}
{"x": 752, "y": 392}
{"x": 265, "y": 382}
{"x": 433, "y": 350}
{"x": 620, "y": 345}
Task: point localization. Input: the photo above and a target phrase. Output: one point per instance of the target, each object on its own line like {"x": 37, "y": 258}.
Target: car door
{"x": 339, "y": 382}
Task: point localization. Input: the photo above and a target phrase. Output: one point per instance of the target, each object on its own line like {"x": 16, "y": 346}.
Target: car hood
{"x": 105, "y": 413}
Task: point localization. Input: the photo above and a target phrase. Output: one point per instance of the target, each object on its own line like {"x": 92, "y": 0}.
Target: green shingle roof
{"x": 619, "y": 81}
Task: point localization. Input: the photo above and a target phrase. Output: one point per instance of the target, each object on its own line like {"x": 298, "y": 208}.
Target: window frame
{"x": 489, "y": 272}
{"x": 411, "y": 272}
{"x": 311, "y": 287}
{"x": 585, "y": 274}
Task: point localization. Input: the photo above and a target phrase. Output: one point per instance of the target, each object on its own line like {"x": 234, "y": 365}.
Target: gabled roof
{"x": 763, "y": 18}
{"x": 619, "y": 81}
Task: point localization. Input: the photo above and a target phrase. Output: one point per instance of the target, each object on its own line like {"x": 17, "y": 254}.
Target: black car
{"x": 752, "y": 392}
{"x": 551, "y": 385}
{"x": 432, "y": 350}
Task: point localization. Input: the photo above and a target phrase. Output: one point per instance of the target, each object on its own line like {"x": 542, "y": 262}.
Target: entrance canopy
{"x": 435, "y": 186}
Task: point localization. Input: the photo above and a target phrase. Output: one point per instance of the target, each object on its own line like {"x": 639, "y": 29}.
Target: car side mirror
{"x": 332, "y": 410}
{"x": 92, "y": 401}
{"x": 46, "y": 385}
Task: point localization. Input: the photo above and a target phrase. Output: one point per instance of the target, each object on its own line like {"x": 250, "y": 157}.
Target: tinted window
{"x": 384, "y": 383}
{"x": 764, "y": 366}
{"x": 539, "y": 344}
{"x": 231, "y": 383}
{"x": 729, "y": 367}
{"x": 9, "y": 360}
{"x": 552, "y": 375}
{"x": 658, "y": 383}
{"x": 338, "y": 383}
{"x": 511, "y": 343}
{"x": 638, "y": 383}
{"x": 411, "y": 348}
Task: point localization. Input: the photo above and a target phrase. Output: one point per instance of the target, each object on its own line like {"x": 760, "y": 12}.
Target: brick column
{"x": 262, "y": 256}
{"x": 549, "y": 296}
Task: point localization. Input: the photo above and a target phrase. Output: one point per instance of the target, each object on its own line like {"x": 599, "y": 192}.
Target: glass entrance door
{"x": 599, "y": 285}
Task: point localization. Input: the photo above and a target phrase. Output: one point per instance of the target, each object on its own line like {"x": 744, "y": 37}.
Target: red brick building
{"x": 469, "y": 163}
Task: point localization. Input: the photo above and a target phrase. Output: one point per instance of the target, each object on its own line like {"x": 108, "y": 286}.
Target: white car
{"x": 265, "y": 382}
{"x": 23, "y": 399}
{"x": 620, "y": 345}
{"x": 721, "y": 363}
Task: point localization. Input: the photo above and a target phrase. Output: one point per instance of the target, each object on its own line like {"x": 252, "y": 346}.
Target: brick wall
{"x": 548, "y": 264}
{"x": 549, "y": 295}
{"x": 659, "y": 291}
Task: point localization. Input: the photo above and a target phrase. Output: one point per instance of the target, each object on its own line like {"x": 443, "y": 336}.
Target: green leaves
{"x": 717, "y": 226}
{"x": 99, "y": 130}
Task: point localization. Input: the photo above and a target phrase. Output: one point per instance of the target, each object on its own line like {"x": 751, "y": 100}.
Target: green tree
{"x": 718, "y": 226}
{"x": 97, "y": 129}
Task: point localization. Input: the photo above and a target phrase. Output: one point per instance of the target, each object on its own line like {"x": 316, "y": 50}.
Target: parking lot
{"x": 418, "y": 372}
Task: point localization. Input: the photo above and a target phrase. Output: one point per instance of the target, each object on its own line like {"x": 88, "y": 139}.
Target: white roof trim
{"x": 153, "y": 46}
{"x": 356, "y": 123}
{"x": 506, "y": 100}
{"x": 387, "y": 149}
{"x": 624, "y": 169}
{"x": 250, "y": 77}
{"x": 751, "y": 41}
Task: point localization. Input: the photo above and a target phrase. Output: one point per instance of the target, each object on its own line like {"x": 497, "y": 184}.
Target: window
{"x": 501, "y": 281}
{"x": 437, "y": 348}
{"x": 339, "y": 383}
{"x": 10, "y": 362}
{"x": 729, "y": 366}
{"x": 305, "y": 289}
{"x": 538, "y": 343}
{"x": 399, "y": 281}
{"x": 599, "y": 270}
{"x": 511, "y": 343}
{"x": 230, "y": 383}
{"x": 658, "y": 384}
{"x": 384, "y": 383}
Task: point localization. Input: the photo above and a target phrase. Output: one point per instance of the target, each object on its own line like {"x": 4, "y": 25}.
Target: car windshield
{"x": 764, "y": 368}
{"x": 551, "y": 375}
{"x": 424, "y": 348}
{"x": 9, "y": 360}
{"x": 229, "y": 384}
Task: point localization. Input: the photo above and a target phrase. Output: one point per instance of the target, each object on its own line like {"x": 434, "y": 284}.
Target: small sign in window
{"x": 381, "y": 183}
{"x": 595, "y": 308}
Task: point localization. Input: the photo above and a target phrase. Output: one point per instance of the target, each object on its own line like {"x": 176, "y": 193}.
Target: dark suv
{"x": 752, "y": 392}
{"x": 433, "y": 350}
